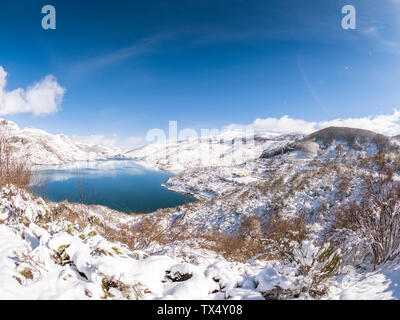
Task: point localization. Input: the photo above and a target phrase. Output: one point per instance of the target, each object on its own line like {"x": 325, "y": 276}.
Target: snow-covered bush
{"x": 375, "y": 216}
{"x": 17, "y": 205}
{"x": 317, "y": 265}
{"x": 373, "y": 227}
{"x": 308, "y": 274}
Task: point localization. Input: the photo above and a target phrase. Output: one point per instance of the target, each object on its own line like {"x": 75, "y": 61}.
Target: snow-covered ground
{"x": 73, "y": 251}
{"x": 41, "y": 258}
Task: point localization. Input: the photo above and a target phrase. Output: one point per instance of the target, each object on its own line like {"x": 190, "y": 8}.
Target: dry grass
{"x": 255, "y": 239}
{"x": 231, "y": 247}
{"x": 145, "y": 234}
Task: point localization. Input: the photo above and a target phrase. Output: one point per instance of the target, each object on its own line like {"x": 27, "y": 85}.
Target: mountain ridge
{"x": 43, "y": 148}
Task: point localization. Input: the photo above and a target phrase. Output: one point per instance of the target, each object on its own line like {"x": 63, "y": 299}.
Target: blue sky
{"x": 129, "y": 66}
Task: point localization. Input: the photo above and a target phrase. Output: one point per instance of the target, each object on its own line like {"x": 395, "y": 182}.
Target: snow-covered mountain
{"x": 221, "y": 150}
{"x": 230, "y": 150}
{"x": 333, "y": 142}
{"x": 44, "y": 148}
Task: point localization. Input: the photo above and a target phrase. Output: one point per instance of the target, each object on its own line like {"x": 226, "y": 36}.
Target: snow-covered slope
{"x": 45, "y": 258}
{"x": 335, "y": 142}
{"x": 228, "y": 150}
{"x": 45, "y": 255}
{"x": 222, "y": 150}
{"x": 270, "y": 223}
{"x": 45, "y": 148}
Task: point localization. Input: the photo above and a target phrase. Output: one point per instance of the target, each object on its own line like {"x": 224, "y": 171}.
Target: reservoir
{"x": 123, "y": 185}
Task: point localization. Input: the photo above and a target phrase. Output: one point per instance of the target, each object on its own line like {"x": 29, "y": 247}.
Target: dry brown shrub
{"x": 231, "y": 247}
{"x": 280, "y": 233}
{"x": 145, "y": 234}
{"x": 375, "y": 216}
{"x": 239, "y": 246}
{"x": 14, "y": 169}
{"x": 74, "y": 213}
{"x": 255, "y": 239}
{"x": 344, "y": 184}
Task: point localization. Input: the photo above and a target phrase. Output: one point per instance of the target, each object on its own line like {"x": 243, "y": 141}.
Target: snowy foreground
{"x": 45, "y": 260}
{"x": 73, "y": 251}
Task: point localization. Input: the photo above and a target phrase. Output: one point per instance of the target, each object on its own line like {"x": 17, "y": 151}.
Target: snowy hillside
{"x": 234, "y": 150}
{"x": 222, "y": 150}
{"x": 285, "y": 217}
{"x": 335, "y": 141}
{"x": 43, "y": 255}
{"x": 45, "y": 148}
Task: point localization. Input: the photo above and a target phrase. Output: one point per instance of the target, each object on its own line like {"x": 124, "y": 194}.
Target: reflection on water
{"x": 123, "y": 185}
{"x": 92, "y": 169}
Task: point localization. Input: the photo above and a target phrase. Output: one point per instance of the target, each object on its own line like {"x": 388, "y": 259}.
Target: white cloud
{"x": 96, "y": 139}
{"x": 388, "y": 124}
{"x": 284, "y": 124}
{"x": 44, "y": 97}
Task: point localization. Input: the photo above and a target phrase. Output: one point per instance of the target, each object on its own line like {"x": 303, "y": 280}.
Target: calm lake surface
{"x": 123, "y": 185}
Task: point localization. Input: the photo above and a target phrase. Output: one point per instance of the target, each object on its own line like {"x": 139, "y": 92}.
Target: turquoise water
{"x": 123, "y": 185}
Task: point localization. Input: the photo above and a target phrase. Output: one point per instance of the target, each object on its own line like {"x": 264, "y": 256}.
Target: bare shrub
{"x": 76, "y": 214}
{"x": 14, "y": 169}
{"x": 376, "y": 215}
{"x": 256, "y": 239}
{"x": 232, "y": 247}
{"x": 344, "y": 184}
{"x": 340, "y": 150}
{"x": 146, "y": 234}
{"x": 240, "y": 246}
{"x": 280, "y": 233}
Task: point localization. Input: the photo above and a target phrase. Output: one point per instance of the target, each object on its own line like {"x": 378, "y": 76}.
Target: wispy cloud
{"x": 388, "y": 124}
{"x": 137, "y": 49}
{"x": 380, "y": 25}
{"x": 198, "y": 35}
{"x": 310, "y": 88}
{"x": 42, "y": 98}
{"x": 388, "y": 45}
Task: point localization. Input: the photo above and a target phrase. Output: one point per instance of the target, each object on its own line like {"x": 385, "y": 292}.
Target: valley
{"x": 291, "y": 218}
